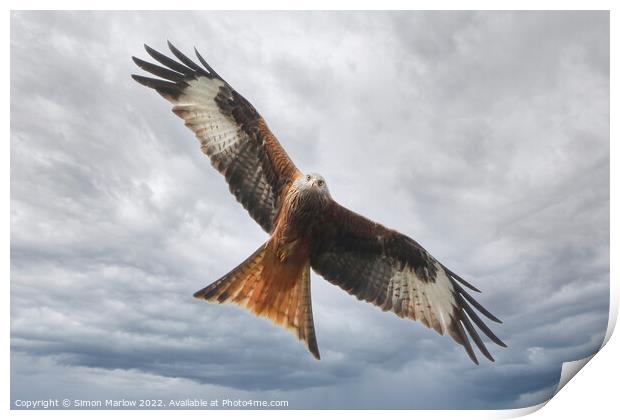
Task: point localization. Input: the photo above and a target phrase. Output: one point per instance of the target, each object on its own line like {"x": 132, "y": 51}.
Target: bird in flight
{"x": 306, "y": 227}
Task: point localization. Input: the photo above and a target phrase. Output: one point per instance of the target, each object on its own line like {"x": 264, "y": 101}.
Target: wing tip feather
{"x": 467, "y": 309}
{"x": 462, "y": 292}
{"x": 460, "y": 279}
{"x": 460, "y": 336}
{"x": 464, "y": 314}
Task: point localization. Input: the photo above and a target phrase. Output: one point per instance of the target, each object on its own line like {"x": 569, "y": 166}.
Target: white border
{"x": 595, "y": 390}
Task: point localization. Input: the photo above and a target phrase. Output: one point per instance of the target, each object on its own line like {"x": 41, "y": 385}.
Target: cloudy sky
{"x": 484, "y": 136}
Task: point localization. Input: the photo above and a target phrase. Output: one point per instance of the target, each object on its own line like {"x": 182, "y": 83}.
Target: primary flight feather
{"x": 307, "y": 228}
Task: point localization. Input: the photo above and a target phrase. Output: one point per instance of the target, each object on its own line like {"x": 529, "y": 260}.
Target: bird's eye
{"x": 320, "y": 183}
{"x": 308, "y": 177}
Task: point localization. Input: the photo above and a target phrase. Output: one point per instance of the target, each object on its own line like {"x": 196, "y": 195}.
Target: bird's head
{"x": 312, "y": 185}
{"x": 315, "y": 182}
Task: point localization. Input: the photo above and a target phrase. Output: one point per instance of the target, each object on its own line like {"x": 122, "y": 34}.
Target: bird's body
{"x": 307, "y": 228}
{"x": 304, "y": 203}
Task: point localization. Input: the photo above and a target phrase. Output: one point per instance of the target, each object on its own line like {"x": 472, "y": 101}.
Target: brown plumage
{"x": 307, "y": 227}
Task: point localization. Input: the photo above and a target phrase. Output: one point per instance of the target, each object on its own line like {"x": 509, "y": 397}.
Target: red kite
{"x": 307, "y": 228}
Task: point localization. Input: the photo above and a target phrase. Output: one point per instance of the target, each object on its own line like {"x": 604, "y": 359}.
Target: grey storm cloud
{"x": 482, "y": 135}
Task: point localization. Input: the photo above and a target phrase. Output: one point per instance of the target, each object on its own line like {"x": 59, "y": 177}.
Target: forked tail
{"x": 268, "y": 287}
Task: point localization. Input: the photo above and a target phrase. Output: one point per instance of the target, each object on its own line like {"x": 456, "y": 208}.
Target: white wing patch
{"x": 216, "y": 132}
{"x": 431, "y": 303}
{"x": 230, "y": 130}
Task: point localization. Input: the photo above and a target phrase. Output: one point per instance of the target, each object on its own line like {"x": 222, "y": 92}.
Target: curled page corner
{"x": 569, "y": 370}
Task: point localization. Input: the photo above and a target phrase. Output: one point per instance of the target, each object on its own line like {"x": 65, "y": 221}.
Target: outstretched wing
{"x": 230, "y": 131}
{"x": 393, "y": 272}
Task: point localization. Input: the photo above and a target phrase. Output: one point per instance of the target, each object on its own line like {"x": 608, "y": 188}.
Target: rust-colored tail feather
{"x": 270, "y": 288}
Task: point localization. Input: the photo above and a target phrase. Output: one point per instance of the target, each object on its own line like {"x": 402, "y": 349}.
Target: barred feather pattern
{"x": 391, "y": 271}
{"x": 230, "y": 131}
